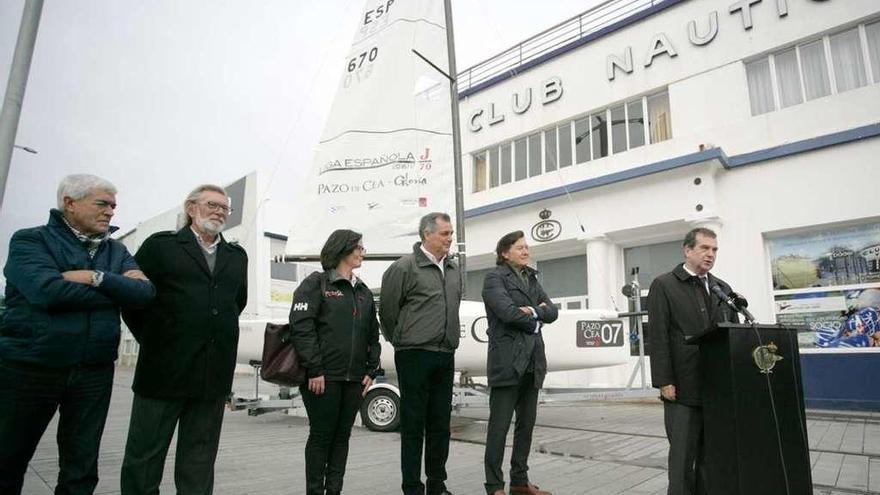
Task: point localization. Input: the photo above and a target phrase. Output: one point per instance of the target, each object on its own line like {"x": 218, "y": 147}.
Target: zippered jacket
{"x": 56, "y": 323}
{"x": 334, "y": 329}
{"x": 419, "y": 303}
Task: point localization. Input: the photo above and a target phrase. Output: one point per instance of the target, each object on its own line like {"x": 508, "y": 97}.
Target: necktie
{"x": 705, "y": 281}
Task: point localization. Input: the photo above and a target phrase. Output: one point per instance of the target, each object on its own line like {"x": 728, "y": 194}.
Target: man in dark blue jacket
{"x": 65, "y": 284}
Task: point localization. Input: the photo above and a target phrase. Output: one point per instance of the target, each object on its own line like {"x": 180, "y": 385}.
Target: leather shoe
{"x": 529, "y": 489}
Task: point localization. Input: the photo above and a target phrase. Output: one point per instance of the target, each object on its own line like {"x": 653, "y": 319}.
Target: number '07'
{"x": 358, "y": 61}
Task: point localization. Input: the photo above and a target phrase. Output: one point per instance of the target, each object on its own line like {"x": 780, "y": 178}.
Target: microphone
{"x": 726, "y": 298}
{"x": 739, "y": 300}
{"x": 733, "y": 300}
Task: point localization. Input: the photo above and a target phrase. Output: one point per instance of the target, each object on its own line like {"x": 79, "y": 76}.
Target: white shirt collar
{"x": 693, "y": 274}
{"x": 433, "y": 258}
{"x": 208, "y": 248}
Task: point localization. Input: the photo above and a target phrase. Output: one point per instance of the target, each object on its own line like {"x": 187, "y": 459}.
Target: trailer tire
{"x": 380, "y": 410}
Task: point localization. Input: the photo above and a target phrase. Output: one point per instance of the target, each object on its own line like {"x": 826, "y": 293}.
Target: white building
{"x": 756, "y": 119}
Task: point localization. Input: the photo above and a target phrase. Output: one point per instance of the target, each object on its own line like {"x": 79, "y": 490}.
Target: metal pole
{"x": 456, "y": 146}
{"x": 18, "y": 75}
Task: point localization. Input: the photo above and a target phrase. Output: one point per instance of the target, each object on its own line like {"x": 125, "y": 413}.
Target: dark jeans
{"x": 425, "y": 379}
{"x": 331, "y": 416}
{"x": 150, "y": 431}
{"x": 503, "y": 401}
{"x": 29, "y": 397}
{"x": 684, "y": 429}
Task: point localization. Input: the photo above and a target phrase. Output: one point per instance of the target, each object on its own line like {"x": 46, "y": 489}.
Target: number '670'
{"x": 358, "y": 61}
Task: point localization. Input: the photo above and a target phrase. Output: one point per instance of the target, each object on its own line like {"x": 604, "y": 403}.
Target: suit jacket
{"x": 512, "y": 337}
{"x": 678, "y": 306}
{"x": 189, "y": 335}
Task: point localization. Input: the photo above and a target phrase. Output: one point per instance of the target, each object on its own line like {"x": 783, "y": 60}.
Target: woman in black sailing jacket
{"x": 336, "y": 334}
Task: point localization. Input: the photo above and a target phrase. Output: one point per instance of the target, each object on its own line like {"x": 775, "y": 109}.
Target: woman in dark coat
{"x": 336, "y": 334}
{"x": 517, "y": 308}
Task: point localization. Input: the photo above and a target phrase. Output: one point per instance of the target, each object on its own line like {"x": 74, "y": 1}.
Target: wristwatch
{"x": 97, "y": 278}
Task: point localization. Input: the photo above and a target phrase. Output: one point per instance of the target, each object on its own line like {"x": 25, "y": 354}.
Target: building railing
{"x": 510, "y": 61}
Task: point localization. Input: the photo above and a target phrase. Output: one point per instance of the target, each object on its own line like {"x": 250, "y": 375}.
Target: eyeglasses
{"x": 217, "y": 207}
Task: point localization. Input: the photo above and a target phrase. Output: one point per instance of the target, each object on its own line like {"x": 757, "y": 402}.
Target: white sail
{"x": 385, "y": 156}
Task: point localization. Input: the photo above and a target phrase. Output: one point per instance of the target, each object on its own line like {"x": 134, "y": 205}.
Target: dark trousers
{"x": 684, "y": 429}
{"x": 425, "y": 379}
{"x": 150, "y": 431}
{"x": 29, "y": 397}
{"x": 503, "y": 401}
{"x": 331, "y": 416}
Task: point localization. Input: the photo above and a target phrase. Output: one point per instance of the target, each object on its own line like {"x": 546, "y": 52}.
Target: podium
{"x": 755, "y": 431}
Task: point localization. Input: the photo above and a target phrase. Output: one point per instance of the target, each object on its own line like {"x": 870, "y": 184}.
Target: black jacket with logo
{"x": 678, "y": 307}
{"x": 334, "y": 328}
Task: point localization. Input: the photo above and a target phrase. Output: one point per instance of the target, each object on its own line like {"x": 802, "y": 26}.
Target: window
{"x": 480, "y": 172}
{"x": 519, "y": 159}
{"x": 599, "y": 133}
{"x": 627, "y": 125}
{"x": 565, "y": 145}
{"x": 872, "y": 34}
{"x": 635, "y": 118}
{"x": 535, "y": 155}
{"x": 846, "y": 57}
{"x": 494, "y": 167}
{"x": 550, "y": 160}
{"x": 582, "y": 140}
{"x": 563, "y": 277}
{"x": 618, "y": 129}
{"x": 505, "y": 163}
{"x": 815, "y": 68}
{"x": 806, "y": 72}
{"x": 760, "y": 87}
{"x": 659, "y": 121}
{"x": 788, "y": 77}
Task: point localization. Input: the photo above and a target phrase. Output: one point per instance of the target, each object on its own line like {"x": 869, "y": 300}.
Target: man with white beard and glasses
{"x": 188, "y": 342}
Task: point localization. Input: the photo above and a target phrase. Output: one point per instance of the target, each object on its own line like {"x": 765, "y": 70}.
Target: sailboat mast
{"x": 456, "y": 145}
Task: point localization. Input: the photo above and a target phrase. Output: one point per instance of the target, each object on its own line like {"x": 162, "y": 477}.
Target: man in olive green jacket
{"x": 418, "y": 309}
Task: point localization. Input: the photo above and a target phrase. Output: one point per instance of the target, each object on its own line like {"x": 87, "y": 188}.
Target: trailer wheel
{"x": 380, "y": 410}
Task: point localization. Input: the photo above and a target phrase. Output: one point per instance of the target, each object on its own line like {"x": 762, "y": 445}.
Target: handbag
{"x": 281, "y": 365}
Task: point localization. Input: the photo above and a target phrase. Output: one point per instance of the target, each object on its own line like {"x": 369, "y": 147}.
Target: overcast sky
{"x": 162, "y": 95}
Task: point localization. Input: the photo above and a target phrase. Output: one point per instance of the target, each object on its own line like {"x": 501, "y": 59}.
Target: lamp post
{"x": 18, "y": 75}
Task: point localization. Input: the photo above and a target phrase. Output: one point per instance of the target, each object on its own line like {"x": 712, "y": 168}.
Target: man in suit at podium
{"x": 681, "y": 304}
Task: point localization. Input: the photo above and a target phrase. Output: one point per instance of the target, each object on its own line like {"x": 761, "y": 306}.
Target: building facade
{"x": 619, "y": 130}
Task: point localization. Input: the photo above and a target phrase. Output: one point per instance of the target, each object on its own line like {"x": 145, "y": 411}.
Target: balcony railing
{"x": 513, "y": 59}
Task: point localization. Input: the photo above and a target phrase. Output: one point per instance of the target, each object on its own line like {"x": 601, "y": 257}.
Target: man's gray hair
{"x": 78, "y": 186}
{"x": 196, "y": 193}
{"x": 428, "y": 223}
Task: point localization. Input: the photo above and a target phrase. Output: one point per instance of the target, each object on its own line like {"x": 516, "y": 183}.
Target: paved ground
{"x": 594, "y": 448}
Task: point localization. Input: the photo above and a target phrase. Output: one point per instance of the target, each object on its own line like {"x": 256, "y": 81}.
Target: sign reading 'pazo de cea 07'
{"x": 599, "y": 333}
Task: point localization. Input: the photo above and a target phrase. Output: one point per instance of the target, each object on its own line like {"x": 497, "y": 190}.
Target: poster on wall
{"x": 822, "y": 267}
{"x": 843, "y": 256}
{"x": 841, "y": 318}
